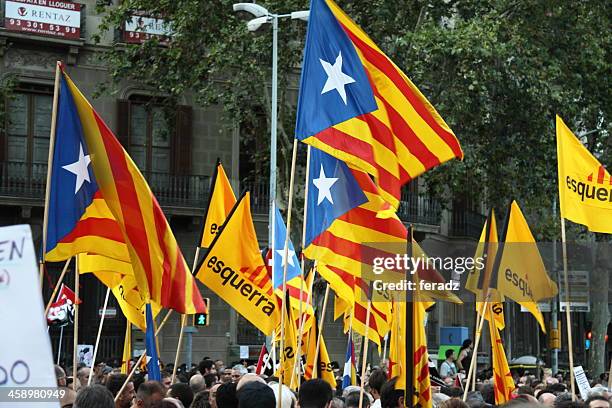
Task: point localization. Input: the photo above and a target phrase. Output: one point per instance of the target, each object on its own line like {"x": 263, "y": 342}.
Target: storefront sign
{"x": 141, "y": 28}
{"x": 56, "y": 18}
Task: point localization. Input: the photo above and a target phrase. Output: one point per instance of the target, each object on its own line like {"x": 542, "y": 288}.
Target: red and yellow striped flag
{"x": 158, "y": 264}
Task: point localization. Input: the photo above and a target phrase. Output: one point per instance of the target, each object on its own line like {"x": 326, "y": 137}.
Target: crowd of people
{"x": 210, "y": 384}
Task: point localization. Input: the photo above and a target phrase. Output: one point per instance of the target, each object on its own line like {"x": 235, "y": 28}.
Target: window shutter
{"x": 182, "y": 139}
{"x": 123, "y": 122}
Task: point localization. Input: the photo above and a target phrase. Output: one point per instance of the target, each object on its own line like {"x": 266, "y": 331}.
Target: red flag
{"x": 263, "y": 363}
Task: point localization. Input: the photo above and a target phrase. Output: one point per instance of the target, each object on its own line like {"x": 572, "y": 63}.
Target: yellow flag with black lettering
{"x": 222, "y": 200}
{"x": 521, "y": 274}
{"x": 285, "y": 371}
{"x": 324, "y": 369}
{"x": 585, "y": 186}
{"x": 119, "y": 277}
{"x": 234, "y": 269}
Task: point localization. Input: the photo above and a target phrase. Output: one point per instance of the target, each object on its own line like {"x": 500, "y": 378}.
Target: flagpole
{"x": 567, "y": 309}
{"x": 59, "y": 346}
{"x": 302, "y": 323}
{"x": 49, "y": 167}
{"x": 184, "y": 317}
{"x": 98, "y": 338}
{"x": 384, "y": 346}
{"x": 364, "y": 359}
{"x": 57, "y": 285}
{"x": 286, "y": 263}
{"x": 272, "y": 268}
{"x": 473, "y": 362}
{"x": 144, "y": 353}
{"x": 409, "y": 327}
{"x": 320, "y": 330}
{"x": 76, "y": 322}
{"x": 302, "y": 320}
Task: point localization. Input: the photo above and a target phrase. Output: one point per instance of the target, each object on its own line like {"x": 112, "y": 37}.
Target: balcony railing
{"x": 260, "y": 196}
{"x": 419, "y": 209}
{"x": 23, "y": 180}
{"x": 466, "y": 222}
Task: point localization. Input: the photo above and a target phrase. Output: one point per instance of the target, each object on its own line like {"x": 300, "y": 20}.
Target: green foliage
{"x": 497, "y": 71}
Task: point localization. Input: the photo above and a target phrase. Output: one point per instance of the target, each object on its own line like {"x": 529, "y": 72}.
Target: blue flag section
{"x": 348, "y": 375}
{"x": 332, "y": 192}
{"x": 334, "y": 86}
{"x": 154, "y": 372}
{"x": 278, "y": 253}
{"x": 73, "y": 184}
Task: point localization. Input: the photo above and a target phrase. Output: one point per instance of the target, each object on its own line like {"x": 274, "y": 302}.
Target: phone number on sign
{"x": 31, "y": 394}
{"x": 25, "y": 24}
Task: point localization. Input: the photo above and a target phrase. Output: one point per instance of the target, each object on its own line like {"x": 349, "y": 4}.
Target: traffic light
{"x": 202, "y": 319}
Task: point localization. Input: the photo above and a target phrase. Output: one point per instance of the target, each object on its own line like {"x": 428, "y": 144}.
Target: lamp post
{"x": 263, "y": 16}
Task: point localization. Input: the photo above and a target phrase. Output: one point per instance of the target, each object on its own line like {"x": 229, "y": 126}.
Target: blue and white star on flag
{"x": 336, "y": 79}
{"x": 278, "y": 253}
{"x": 290, "y": 255}
{"x": 80, "y": 169}
{"x": 324, "y": 185}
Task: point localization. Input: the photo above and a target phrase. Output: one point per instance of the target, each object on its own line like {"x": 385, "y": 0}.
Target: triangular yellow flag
{"x": 290, "y": 378}
{"x": 234, "y": 269}
{"x": 324, "y": 368}
{"x": 222, "y": 200}
{"x": 521, "y": 274}
{"x": 585, "y": 186}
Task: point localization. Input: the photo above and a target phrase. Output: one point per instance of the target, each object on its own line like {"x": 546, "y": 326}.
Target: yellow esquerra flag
{"x": 585, "y": 186}
{"x": 521, "y": 274}
{"x": 479, "y": 278}
{"x": 119, "y": 277}
{"x": 221, "y": 202}
{"x": 503, "y": 383}
{"x": 324, "y": 369}
{"x": 127, "y": 349}
{"x": 234, "y": 269}
{"x": 289, "y": 377}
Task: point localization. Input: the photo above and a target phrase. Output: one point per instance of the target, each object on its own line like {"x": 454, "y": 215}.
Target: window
{"x": 26, "y": 146}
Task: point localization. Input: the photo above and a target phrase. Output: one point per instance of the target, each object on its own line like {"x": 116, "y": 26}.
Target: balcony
{"x": 22, "y": 182}
{"x": 466, "y": 222}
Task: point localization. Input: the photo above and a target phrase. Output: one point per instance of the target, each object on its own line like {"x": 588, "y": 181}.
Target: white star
{"x": 290, "y": 254}
{"x": 79, "y": 168}
{"x": 324, "y": 185}
{"x": 336, "y": 79}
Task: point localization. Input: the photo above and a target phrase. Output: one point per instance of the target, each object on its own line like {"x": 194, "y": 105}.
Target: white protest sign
{"x": 244, "y": 351}
{"x": 26, "y": 362}
{"x": 582, "y": 381}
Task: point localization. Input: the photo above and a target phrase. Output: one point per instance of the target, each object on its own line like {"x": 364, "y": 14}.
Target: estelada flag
{"x": 521, "y": 274}
{"x": 479, "y": 278}
{"x": 585, "y": 186}
{"x": 234, "y": 269}
{"x": 119, "y": 277}
{"x": 107, "y": 198}
{"x": 221, "y": 202}
{"x": 357, "y": 105}
{"x": 503, "y": 383}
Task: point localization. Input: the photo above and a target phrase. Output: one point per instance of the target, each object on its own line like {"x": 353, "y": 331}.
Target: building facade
{"x": 177, "y": 159}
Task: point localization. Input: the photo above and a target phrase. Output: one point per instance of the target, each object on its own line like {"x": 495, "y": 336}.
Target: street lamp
{"x": 263, "y": 16}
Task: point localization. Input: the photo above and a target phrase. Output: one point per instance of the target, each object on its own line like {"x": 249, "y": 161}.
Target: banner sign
{"x": 55, "y": 18}
{"x": 26, "y": 363}
{"x": 141, "y": 28}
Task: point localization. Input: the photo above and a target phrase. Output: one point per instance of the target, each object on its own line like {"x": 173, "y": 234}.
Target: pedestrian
{"x": 94, "y": 396}
{"x": 448, "y": 369}
{"x": 315, "y": 393}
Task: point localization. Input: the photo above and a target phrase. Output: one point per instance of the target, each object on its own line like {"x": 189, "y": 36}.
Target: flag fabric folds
{"x": 585, "y": 186}
{"x": 278, "y": 253}
{"x": 153, "y": 369}
{"x": 357, "y": 105}
{"x": 234, "y": 269}
{"x": 127, "y": 349}
{"x": 290, "y": 344}
{"x": 221, "y": 202}
{"x": 264, "y": 362}
{"x": 61, "y": 312}
{"x": 349, "y": 374}
{"x": 324, "y": 369}
{"x": 104, "y": 184}
{"x": 521, "y": 274}
{"x": 503, "y": 383}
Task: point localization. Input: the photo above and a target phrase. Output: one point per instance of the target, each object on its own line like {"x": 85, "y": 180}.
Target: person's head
{"x": 210, "y": 380}
{"x": 219, "y": 365}
{"x": 597, "y": 401}
{"x": 170, "y": 402}
{"x": 114, "y": 382}
{"x": 226, "y": 396}
{"x": 226, "y": 375}
{"x": 315, "y": 394}
{"x": 201, "y": 400}
{"x": 60, "y": 376}
{"x": 67, "y": 397}
{"x": 377, "y": 379}
{"x": 255, "y": 394}
{"x": 352, "y": 400}
{"x": 248, "y": 378}
{"x": 546, "y": 398}
{"x": 166, "y": 380}
{"x": 454, "y": 403}
{"x": 391, "y": 397}
{"x": 212, "y": 396}
{"x": 450, "y": 354}
{"x": 83, "y": 375}
{"x": 181, "y": 392}
{"x": 149, "y": 394}
{"x": 288, "y": 398}
{"x": 205, "y": 366}
{"x": 197, "y": 383}
{"x": 94, "y": 396}
{"x": 467, "y": 344}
